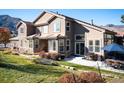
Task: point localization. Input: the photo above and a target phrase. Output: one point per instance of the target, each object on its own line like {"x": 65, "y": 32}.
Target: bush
{"x": 69, "y": 78}
{"x": 91, "y": 77}
{"x": 51, "y": 55}
{"x": 47, "y": 55}
{"x": 45, "y": 61}
{"x": 54, "y": 56}
{"x": 7, "y": 51}
{"x": 42, "y": 54}
{"x": 93, "y": 56}
{"x": 85, "y": 77}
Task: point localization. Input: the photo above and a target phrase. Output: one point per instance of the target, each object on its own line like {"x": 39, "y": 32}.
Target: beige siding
{"x": 51, "y": 28}
{"x": 44, "y": 18}
{"x": 93, "y": 34}
{"x": 23, "y": 42}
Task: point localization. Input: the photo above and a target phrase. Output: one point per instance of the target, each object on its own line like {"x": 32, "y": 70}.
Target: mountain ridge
{"x": 9, "y": 22}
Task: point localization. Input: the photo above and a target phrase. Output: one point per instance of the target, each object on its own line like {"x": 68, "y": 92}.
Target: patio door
{"x": 79, "y": 48}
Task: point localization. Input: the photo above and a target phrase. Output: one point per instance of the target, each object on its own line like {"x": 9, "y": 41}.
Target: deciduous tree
{"x": 4, "y": 36}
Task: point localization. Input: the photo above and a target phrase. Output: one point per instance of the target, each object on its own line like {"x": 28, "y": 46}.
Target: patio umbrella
{"x": 114, "y": 48}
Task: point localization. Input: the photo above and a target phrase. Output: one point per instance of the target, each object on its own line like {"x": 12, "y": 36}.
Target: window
{"x": 97, "y": 46}
{"x": 79, "y": 37}
{"x": 36, "y": 43}
{"x": 108, "y": 39}
{"x": 30, "y": 43}
{"x": 91, "y": 46}
{"x": 21, "y": 30}
{"x": 57, "y": 26}
{"x": 44, "y": 29}
{"x": 67, "y": 26}
{"x": 54, "y": 45}
{"x": 68, "y": 45}
{"x": 21, "y": 43}
{"x": 61, "y": 45}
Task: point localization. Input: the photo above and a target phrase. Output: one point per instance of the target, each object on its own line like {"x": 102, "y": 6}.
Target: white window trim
{"x": 79, "y": 47}
{"x": 21, "y": 30}
{"x": 55, "y": 26}
{"x": 35, "y": 43}
{"x": 68, "y": 26}
{"x": 31, "y": 43}
{"x": 91, "y": 45}
{"x": 61, "y": 45}
{"x": 68, "y": 45}
{"x": 79, "y": 35}
{"x": 54, "y": 47}
{"x": 97, "y": 46}
{"x": 44, "y": 29}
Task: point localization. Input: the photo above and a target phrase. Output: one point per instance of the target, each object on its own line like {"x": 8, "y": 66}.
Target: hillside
{"x": 9, "y": 22}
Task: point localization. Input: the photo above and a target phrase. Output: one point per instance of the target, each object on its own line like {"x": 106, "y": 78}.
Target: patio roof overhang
{"x": 14, "y": 39}
{"x": 110, "y": 32}
{"x": 51, "y": 36}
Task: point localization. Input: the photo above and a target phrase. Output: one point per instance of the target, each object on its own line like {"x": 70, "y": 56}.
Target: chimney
{"x": 92, "y": 22}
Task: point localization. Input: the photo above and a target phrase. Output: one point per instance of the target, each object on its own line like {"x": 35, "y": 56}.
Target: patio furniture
{"x": 115, "y": 63}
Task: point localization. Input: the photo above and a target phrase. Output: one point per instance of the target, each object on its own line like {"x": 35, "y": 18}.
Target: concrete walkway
{"x": 102, "y": 65}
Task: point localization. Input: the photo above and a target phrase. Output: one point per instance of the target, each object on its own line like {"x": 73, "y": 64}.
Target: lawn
{"x": 14, "y": 68}
{"x": 17, "y": 69}
{"x": 113, "y": 76}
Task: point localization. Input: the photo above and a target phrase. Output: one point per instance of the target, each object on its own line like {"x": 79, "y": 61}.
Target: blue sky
{"x": 100, "y": 16}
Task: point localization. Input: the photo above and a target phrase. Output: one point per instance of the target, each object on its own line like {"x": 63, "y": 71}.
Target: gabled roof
{"x": 50, "y": 12}
{"x": 26, "y": 22}
{"x": 70, "y": 18}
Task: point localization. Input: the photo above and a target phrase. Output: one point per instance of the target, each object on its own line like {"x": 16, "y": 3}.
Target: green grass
{"x": 17, "y": 69}
{"x": 87, "y": 68}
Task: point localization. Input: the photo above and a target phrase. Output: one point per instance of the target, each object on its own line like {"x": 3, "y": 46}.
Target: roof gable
{"x": 53, "y": 15}
{"x": 45, "y": 17}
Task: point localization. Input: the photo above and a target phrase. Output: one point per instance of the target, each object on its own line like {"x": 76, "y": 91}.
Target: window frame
{"x": 36, "y": 43}
{"x": 21, "y": 30}
{"x": 57, "y": 24}
{"x": 30, "y": 43}
{"x": 97, "y": 46}
{"x": 61, "y": 41}
{"x": 68, "y": 45}
{"x": 68, "y": 26}
{"x": 21, "y": 43}
{"x": 80, "y": 35}
{"x": 54, "y": 45}
{"x": 91, "y": 46}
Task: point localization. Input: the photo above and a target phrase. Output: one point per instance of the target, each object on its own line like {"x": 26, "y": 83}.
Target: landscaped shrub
{"x": 15, "y": 53}
{"x": 69, "y": 78}
{"x": 91, "y": 77}
{"x": 45, "y": 61}
{"x": 85, "y": 77}
{"x": 42, "y": 54}
{"x": 51, "y": 55}
{"x": 93, "y": 56}
{"x": 47, "y": 55}
{"x": 7, "y": 51}
{"x": 54, "y": 56}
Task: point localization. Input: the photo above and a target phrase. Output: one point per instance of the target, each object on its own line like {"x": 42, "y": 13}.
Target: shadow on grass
{"x": 34, "y": 69}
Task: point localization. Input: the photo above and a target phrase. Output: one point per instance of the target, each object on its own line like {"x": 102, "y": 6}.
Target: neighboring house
{"x": 20, "y": 42}
{"x": 119, "y": 29}
{"x": 53, "y": 32}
